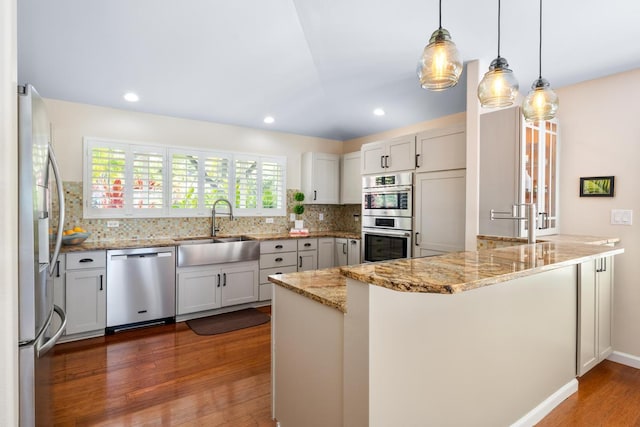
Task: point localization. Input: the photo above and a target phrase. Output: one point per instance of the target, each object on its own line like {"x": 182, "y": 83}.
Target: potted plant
{"x": 298, "y": 209}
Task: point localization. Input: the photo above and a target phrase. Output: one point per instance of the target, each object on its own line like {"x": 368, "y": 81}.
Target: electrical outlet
{"x": 269, "y": 220}
{"x": 356, "y": 218}
{"x": 112, "y": 224}
{"x": 321, "y": 217}
{"x": 292, "y": 217}
{"x": 621, "y": 216}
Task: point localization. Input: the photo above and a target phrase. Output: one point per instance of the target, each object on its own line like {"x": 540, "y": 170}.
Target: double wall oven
{"x": 387, "y": 211}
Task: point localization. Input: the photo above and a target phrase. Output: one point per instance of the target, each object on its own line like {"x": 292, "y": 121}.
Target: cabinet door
{"x": 372, "y": 157}
{"x": 86, "y": 300}
{"x": 342, "y": 252}
{"x": 326, "y": 257}
{"x": 307, "y": 260}
{"x": 321, "y": 178}
{"x": 401, "y": 154}
{"x": 604, "y": 280}
{"x": 239, "y": 283}
{"x": 441, "y": 149}
{"x": 198, "y": 289}
{"x": 440, "y": 212}
{"x": 350, "y": 179}
{"x": 587, "y": 317}
{"x": 353, "y": 252}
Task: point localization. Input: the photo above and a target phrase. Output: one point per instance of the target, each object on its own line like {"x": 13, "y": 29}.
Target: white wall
{"x": 73, "y": 121}
{"x": 8, "y": 217}
{"x": 600, "y": 135}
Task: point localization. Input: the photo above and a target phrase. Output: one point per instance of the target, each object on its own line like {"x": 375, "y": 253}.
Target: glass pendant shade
{"x": 541, "y": 103}
{"x": 499, "y": 87}
{"x": 440, "y": 66}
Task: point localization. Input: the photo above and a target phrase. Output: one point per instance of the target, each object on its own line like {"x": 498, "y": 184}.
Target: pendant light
{"x": 499, "y": 86}
{"x": 542, "y": 102}
{"x": 440, "y": 66}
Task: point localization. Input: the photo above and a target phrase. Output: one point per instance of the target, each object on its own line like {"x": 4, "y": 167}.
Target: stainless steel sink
{"x": 217, "y": 250}
{"x": 194, "y": 241}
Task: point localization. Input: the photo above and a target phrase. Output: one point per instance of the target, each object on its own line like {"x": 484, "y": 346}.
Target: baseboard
{"x": 625, "y": 359}
{"x": 541, "y": 411}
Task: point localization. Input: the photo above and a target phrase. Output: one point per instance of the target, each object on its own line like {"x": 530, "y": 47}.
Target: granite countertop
{"x": 446, "y": 274}
{"x": 571, "y": 238}
{"x": 161, "y": 242}
{"x": 328, "y": 286}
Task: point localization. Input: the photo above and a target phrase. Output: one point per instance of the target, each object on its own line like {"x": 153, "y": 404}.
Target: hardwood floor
{"x": 608, "y": 396}
{"x": 165, "y": 376}
{"x": 169, "y": 376}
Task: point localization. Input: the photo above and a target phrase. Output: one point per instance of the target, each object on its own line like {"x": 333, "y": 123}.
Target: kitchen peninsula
{"x": 468, "y": 338}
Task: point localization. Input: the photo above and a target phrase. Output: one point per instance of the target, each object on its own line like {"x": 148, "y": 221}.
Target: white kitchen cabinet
{"x": 347, "y": 251}
{"x": 439, "y": 212}
{"x": 350, "y": 179}
{"x": 595, "y": 312}
{"x": 326, "y": 257}
{"x": 397, "y": 154}
{"x": 198, "y": 289}
{"x": 214, "y": 286}
{"x": 441, "y": 149}
{"x": 321, "y": 178}
{"x": 307, "y": 254}
{"x": 276, "y": 257}
{"x": 518, "y": 164}
{"x": 86, "y": 292}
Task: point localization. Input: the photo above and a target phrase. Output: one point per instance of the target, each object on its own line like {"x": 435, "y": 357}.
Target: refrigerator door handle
{"x": 41, "y": 349}
{"x": 56, "y": 173}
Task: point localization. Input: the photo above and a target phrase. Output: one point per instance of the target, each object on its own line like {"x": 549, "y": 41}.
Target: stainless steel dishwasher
{"x": 141, "y": 287}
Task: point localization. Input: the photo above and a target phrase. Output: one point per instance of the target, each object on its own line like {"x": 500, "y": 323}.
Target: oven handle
{"x": 386, "y": 232}
{"x": 387, "y": 189}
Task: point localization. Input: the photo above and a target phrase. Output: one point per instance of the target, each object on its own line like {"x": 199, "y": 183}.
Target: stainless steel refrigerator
{"x": 38, "y": 251}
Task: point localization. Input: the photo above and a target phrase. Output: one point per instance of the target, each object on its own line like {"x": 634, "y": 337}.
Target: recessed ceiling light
{"x": 378, "y": 112}
{"x": 269, "y": 120}
{"x": 131, "y": 97}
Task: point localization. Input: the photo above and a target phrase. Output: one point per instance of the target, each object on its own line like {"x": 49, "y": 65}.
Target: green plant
{"x": 298, "y": 196}
{"x": 298, "y": 209}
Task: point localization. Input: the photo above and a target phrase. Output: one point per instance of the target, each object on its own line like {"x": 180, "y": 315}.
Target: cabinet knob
{"x": 306, "y": 245}
{"x": 278, "y": 259}
{"x": 278, "y": 246}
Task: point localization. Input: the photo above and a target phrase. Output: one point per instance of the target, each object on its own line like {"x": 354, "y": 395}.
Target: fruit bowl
{"x": 75, "y": 238}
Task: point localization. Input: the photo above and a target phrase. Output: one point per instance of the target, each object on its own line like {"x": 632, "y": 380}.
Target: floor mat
{"x": 227, "y": 322}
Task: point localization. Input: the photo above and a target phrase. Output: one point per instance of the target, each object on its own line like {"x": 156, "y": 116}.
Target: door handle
{"x": 306, "y": 245}
{"x": 315, "y": 194}
{"x": 344, "y": 248}
{"x": 382, "y": 162}
{"x": 386, "y": 161}
{"x": 224, "y": 279}
{"x": 417, "y": 162}
{"x": 278, "y": 246}
{"x": 300, "y": 262}
{"x": 278, "y": 259}
{"x": 83, "y": 260}
{"x": 417, "y": 242}
{"x": 101, "y": 282}
{"x": 58, "y": 268}
{"x": 218, "y": 280}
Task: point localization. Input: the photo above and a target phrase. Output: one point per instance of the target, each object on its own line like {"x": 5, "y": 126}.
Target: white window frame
{"x": 167, "y": 211}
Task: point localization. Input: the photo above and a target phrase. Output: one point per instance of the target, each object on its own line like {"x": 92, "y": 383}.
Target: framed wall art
{"x": 596, "y": 186}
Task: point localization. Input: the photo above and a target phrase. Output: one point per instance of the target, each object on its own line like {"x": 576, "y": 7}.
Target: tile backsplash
{"x": 336, "y": 218}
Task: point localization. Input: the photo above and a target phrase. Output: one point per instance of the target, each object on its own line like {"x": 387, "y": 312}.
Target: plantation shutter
{"x": 184, "y": 181}
{"x": 216, "y": 179}
{"x": 147, "y": 184}
{"x": 107, "y": 177}
{"x": 272, "y": 184}
{"x": 246, "y": 177}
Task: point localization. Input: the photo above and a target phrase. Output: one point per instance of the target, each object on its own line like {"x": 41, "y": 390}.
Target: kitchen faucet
{"x": 530, "y": 217}
{"x": 214, "y": 229}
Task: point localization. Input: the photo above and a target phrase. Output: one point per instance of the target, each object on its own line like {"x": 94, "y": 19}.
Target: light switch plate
{"x": 269, "y": 220}
{"x": 112, "y": 224}
{"x": 292, "y": 217}
{"x": 621, "y": 216}
{"x": 321, "y": 217}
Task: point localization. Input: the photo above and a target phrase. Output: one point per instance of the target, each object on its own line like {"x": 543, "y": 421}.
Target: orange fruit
{"x": 78, "y": 229}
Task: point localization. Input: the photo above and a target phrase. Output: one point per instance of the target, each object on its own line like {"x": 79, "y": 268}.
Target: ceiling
{"x": 319, "y": 67}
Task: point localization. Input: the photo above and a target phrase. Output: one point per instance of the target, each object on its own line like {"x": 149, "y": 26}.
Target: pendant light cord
{"x": 498, "y": 28}
{"x": 540, "y": 46}
{"x": 440, "y": 15}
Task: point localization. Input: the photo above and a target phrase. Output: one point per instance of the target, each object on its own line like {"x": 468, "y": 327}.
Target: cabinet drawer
{"x": 265, "y": 273}
{"x": 278, "y": 260}
{"x": 275, "y": 246}
{"x": 81, "y": 260}
{"x": 307, "y": 244}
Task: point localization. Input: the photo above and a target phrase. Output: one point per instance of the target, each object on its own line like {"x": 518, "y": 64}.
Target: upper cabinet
{"x": 320, "y": 175}
{"x": 441, "y": 149}
{"x": 397, "y": 154}
{"x": 350, "y": 179}
{"x": 518, "y": 164}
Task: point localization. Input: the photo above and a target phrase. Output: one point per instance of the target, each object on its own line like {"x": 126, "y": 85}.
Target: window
{"x": 134, "y": 180}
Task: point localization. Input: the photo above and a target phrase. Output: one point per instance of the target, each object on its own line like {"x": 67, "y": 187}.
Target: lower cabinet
{"x": 595, "y": 311}
{"x": 307, "y": 254}
{"x": 210, "y": 287}
{"x": 347, "y": 252}
{"x": 86, "y": 292}
{"x": 326, "y": 251}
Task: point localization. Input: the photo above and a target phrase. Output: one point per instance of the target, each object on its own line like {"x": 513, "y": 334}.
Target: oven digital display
{"x": 386, "y": 200}
{"x": 386, "y": 180}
